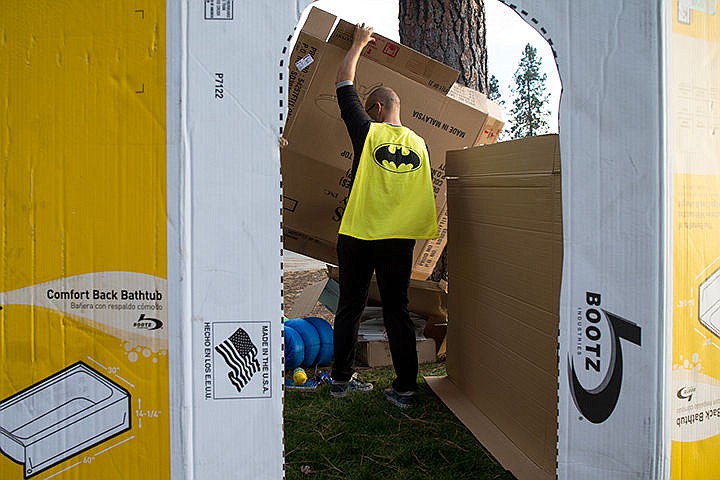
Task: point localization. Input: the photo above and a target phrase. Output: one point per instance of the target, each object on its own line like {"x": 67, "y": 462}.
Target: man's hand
{"x": 361, "y": 37}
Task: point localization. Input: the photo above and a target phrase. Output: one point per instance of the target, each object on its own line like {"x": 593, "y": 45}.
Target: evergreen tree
{"x": 530, "y": 105}
{"x": 495, "y": 96}
{"x": 494, "y": 90}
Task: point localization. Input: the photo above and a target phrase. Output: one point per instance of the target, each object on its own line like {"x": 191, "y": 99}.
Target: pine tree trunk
{"x": 452, "y": 32}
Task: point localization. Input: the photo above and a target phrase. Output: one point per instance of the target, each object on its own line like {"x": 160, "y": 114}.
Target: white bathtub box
{"x": 61, "y": 416}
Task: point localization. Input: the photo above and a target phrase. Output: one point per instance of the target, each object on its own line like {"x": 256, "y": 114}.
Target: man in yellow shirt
{"x": 390, "y": 205}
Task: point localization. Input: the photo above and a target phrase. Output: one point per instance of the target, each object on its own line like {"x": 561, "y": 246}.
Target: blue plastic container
{"x": 294, "y": 348}
{"x": 325, "y": 332}
{"x": 310, "y": 338}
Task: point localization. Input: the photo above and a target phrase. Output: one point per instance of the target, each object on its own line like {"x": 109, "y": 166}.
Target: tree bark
{"x": 451, "y": 31}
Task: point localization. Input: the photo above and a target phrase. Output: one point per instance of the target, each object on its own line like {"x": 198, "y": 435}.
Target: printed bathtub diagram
{"x": 61, "y": 416}
{"x": 709, "y": 303}
{"x": 685, "y": 8}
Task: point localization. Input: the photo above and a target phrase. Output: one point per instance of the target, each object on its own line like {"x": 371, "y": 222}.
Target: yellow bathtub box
{"x": 139, "y": 339}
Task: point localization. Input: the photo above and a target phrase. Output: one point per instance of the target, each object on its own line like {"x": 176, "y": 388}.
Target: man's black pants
{"x": 391, "y": 260}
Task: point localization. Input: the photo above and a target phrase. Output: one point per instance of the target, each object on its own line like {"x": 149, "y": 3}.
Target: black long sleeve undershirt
{"x": 356, "y": 120}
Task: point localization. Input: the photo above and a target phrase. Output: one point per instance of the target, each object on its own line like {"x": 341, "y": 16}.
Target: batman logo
{"x": 396, "y": 158}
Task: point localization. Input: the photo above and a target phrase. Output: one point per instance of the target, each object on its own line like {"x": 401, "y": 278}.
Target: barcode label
{"x": 304, "y": 62}
{"x": 219, "y": 9}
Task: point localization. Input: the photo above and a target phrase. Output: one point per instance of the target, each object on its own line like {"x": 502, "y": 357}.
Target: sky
{"x": 506, "y": 37}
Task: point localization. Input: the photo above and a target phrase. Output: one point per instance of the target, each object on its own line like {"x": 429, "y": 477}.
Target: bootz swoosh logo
{"x": 596, "y": 372}
{"x": 148, "y": 323}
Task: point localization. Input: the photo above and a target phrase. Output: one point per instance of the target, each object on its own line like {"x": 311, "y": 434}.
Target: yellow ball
{"x": 299, "y": 376}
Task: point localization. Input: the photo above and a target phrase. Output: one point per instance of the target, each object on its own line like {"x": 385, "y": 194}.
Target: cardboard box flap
{"x": 399, "y": 58}
{"x": 486, "y": 431}
{"x": 494, "y": 120}
{"x": 319, "y": 23}
{"x": 304, "y": 61}
{"x": 505, "y": 264}
{"x": 475, "y": 99}
{"x": 531, "y": 155}
{"x": 306, "y": 301}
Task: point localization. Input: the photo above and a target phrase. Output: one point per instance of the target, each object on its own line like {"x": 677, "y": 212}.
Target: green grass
{"x": 363, "y": 436}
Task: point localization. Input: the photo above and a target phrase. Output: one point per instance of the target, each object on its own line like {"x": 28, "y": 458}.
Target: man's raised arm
{"x": 361, "y": 37}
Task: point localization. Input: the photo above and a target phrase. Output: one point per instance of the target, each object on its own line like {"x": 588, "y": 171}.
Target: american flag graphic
{"x": 240, "y": 353}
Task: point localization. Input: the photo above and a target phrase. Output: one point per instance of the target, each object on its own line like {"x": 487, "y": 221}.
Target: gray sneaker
{"x": 342, "y": 389}
{"x": 400, "y": 399}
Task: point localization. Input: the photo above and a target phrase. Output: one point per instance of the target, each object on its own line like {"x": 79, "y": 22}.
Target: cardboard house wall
{"x": 638, "y": 134}
{"x": 227, "y": 265}
{"x": 141, "y": 244}
{"x": 640, "y": 192}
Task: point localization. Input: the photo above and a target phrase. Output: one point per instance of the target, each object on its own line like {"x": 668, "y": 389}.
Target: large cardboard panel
{"x": 504, "y": 263}
{"x": 639, "y": 189}
{"x": 318, "y": 157}
{"x": 411, "y": 64}
{"x": 612, "y": 319}
{"x": 506, "y": 452}
{"x": 638, "y": 89}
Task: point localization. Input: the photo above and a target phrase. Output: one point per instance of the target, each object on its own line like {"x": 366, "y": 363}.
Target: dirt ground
{"x": 295, "y": 281}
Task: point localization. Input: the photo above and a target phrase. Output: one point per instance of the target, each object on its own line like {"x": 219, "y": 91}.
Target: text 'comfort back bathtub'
{"x": 56, "y": 418}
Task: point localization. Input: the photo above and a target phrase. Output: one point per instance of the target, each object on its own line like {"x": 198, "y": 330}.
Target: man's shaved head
{"x": 386, "y": 96}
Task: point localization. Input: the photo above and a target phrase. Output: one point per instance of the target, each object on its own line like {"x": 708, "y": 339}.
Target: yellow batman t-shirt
{"x": 392, "y": 194}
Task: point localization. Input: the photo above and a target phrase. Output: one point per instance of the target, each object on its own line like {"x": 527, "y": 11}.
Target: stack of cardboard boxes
{"x": 317, "y": 159}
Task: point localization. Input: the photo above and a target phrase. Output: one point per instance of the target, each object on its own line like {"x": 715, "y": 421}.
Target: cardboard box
{"x": 125, "y": 261}
{"x": 638, "y": 371}
{"x": 373, "y": 348}
{"x": 504, "y": 265}
{"x": 427, "y": 299}
{"x": 640, "y": 191}
{"x": 318, "y": 157}
{"x": 376, "y": 353}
